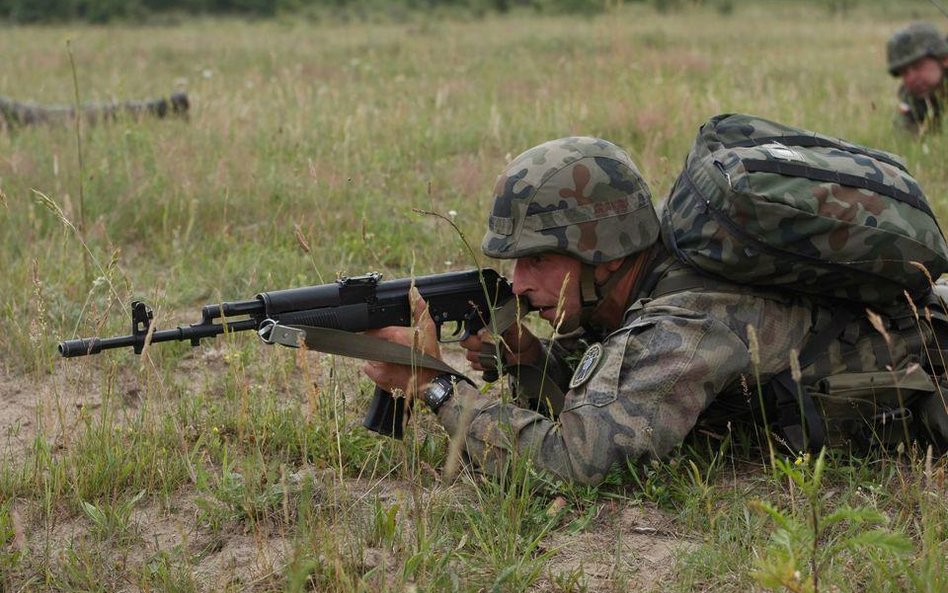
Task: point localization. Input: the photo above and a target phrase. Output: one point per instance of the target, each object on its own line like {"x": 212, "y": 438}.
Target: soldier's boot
{"x": 177, "y": 105}
{"x": 180, "y": 104}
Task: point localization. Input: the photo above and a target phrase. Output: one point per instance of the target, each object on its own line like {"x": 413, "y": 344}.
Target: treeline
{"x": 98, "y": 11}
{"x": 102, "y": 11}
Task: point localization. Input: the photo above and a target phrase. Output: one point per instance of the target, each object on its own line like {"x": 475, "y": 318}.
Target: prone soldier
{"x": 654, "y": 350}
{"x": 918, "y": 55}
{"x": 16, "y": 114}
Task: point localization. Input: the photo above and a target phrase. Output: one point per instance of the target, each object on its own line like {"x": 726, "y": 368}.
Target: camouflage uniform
{"x": 678, "y": 357}
{"x": 913, "y": 42}
{"x": 14, "y": 114}
{"x": 674, "y": 360}
{"x": 921, "y": 113}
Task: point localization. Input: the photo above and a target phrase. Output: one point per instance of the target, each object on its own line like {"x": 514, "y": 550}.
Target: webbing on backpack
{"x": 798, "y": 421}
{"x": 816, "y": 174}
{"x": 805, "y": 141}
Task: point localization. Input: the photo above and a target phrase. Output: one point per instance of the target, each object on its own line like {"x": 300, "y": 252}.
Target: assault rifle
{"x": 327, "y": 318}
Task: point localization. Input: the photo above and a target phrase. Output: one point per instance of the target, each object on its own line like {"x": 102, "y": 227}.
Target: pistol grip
{"x": 488, "y": 359}
{"x": 386, "y": 414}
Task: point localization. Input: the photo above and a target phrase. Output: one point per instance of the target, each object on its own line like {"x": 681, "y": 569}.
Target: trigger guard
{"x": 460, "y": 333}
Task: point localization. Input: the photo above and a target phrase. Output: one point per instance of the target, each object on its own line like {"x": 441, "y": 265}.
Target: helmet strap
{"x": 589, "y": 300}
{"x": 588, "y": 291}
{"x": 591, "y": 294}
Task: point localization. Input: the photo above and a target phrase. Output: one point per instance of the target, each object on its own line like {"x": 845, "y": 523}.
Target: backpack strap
{"x": 680, "y": 277}
{"x": 797, "y": 419}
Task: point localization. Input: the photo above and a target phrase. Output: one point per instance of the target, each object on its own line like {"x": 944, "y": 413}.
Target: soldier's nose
{"x": 519, "y": 281}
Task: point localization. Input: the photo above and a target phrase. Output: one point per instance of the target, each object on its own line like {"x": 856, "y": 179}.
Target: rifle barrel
{"x": 194, "y": 333}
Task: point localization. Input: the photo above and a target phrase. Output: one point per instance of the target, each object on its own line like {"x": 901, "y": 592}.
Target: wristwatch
{"x": 439, "y": 391}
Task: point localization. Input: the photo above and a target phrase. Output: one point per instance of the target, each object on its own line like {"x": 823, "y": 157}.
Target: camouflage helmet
{"x": 917, "y": 40}
{"x": 577, "y": 196}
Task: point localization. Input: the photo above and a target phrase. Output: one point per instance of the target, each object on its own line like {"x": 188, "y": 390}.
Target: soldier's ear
{"x": 612, "y": 265}
{"x": 617, "y": 263}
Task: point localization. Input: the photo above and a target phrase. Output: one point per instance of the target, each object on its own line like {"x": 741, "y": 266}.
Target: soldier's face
{"x": 551, "y": 283}
{"x": 923, "y": 76}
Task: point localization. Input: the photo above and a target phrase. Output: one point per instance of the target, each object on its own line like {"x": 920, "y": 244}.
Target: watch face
{"x": 438, "y": 392}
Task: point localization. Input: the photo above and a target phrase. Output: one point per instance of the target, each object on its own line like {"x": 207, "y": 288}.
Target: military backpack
{"x": 767, "y": 204}
{"x": 770, "y": 205}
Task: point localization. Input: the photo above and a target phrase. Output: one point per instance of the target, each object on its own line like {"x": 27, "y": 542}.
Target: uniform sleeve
{"x": 642, "y": 396}
{"x": 904, "y": 119}
{"x": 909, "y": 113}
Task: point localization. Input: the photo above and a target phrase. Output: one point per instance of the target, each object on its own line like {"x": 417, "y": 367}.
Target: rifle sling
{"x": 352, "y": 345}
{"x": 365, "y": 347}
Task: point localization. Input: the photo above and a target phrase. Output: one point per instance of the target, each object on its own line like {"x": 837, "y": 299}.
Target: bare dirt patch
{"x": 629, "y": 547}
{"x": 40, "y": 405}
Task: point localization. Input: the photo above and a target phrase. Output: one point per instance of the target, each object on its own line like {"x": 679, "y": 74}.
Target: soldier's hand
{"x": 422, "y": 337}
{"x": 519, "y": 346}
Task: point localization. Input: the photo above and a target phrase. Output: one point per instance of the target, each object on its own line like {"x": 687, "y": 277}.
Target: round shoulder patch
{"x": 587, "y": 366}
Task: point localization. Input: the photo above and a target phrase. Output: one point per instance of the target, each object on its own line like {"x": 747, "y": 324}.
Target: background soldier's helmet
{"x": 576, "y": 196}
{"x": 912, "y": 42}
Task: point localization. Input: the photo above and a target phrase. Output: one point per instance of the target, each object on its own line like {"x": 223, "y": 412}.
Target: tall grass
{"x": 309, "y": 151}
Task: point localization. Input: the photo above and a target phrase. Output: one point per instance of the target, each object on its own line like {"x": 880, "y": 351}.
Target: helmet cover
{"x": 914, "y": 41}
{"x": 577, "y": 196}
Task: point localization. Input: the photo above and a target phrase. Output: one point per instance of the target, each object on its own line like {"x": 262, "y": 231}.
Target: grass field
{"x": 315, "y": 150}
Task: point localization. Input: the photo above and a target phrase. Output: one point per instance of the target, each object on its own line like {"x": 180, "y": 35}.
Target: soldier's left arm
{"x": 633, "y": 397}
